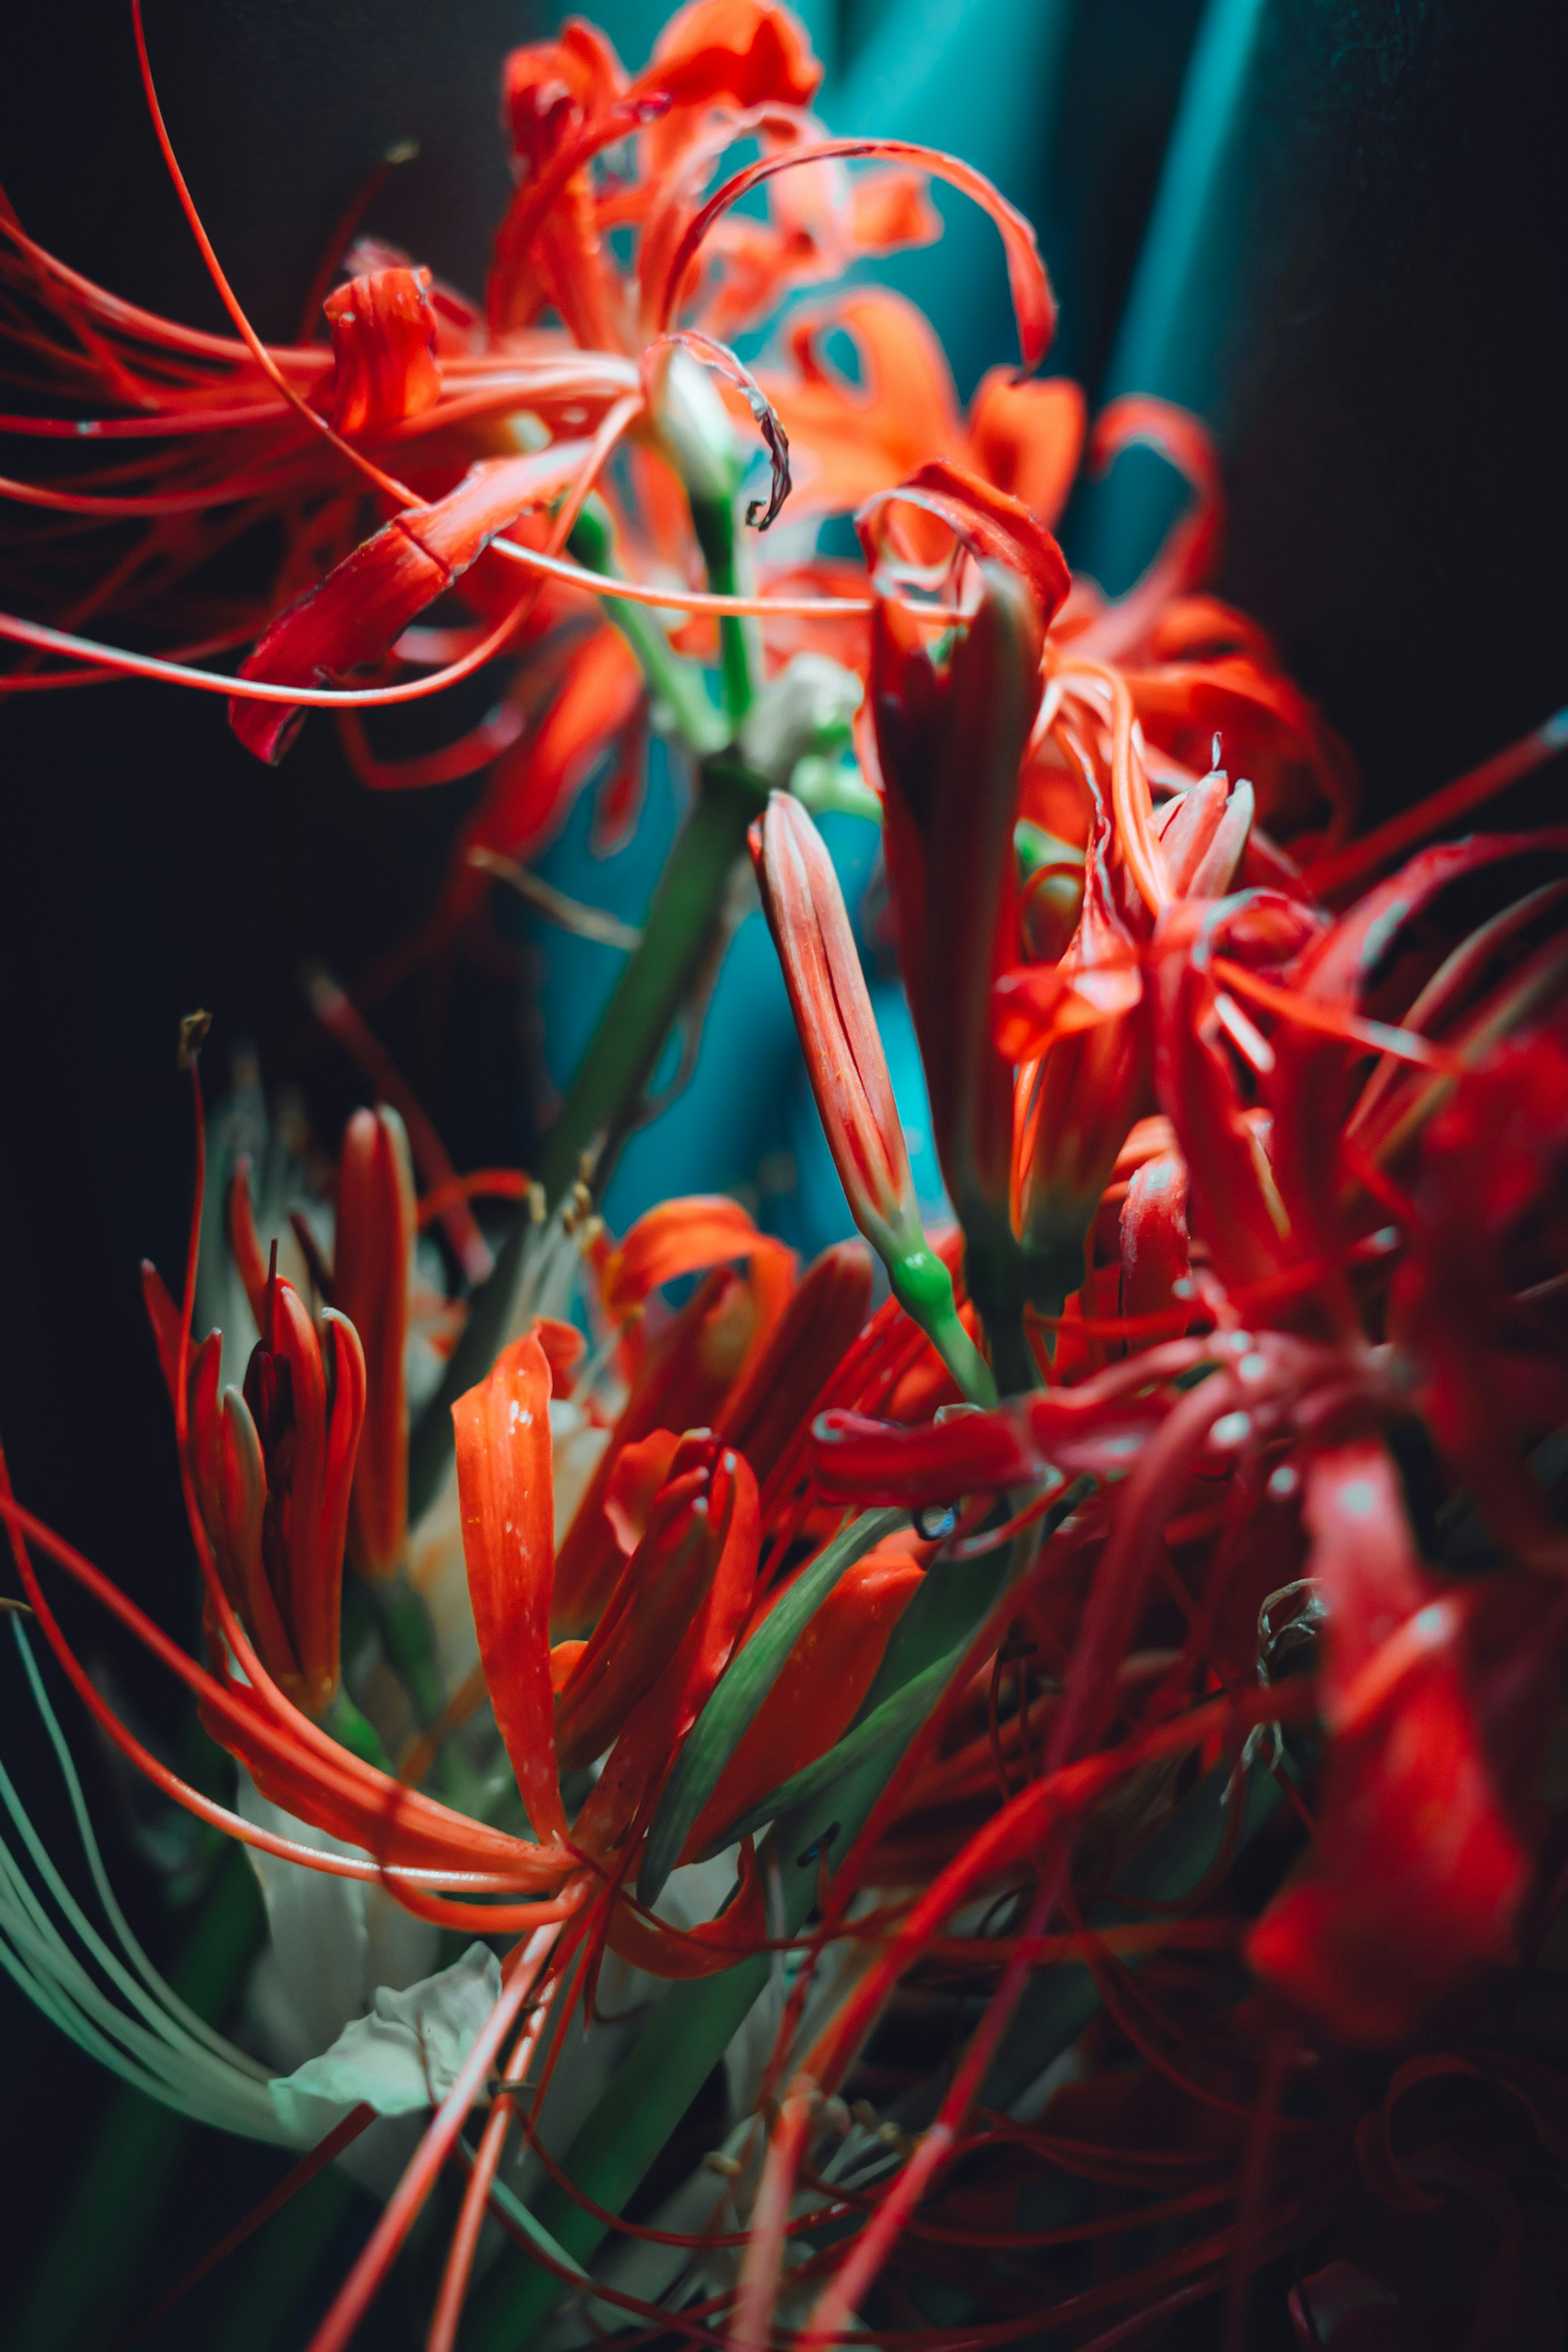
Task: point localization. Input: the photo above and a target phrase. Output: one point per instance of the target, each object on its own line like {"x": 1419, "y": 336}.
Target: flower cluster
{"x": 1073, "y": 1742}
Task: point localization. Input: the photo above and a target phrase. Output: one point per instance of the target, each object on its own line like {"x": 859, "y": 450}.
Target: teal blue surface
{"x": 988, "y": 79}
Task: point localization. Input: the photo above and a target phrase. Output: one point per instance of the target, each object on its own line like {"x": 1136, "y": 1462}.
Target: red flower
{"x": 1417, "y": 1873}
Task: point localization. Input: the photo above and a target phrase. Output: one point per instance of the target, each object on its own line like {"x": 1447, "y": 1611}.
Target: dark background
{"x": 1351, "y": 254}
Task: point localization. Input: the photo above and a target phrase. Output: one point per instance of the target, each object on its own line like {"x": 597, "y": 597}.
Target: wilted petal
{"x": 403, "y": 2057}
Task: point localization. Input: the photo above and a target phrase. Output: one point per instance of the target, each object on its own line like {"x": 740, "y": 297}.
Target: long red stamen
{"x": 388, "y": 486}
{"x": 364, "y": 2280}
{"x": 1329, "y": 877}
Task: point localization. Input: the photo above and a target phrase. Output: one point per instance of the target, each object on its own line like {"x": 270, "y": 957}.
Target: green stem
{"x": 596, "y": 1113}
{"x": 282, "y": 2264}
{"x": 596, "y": 1116}
{"x": 101, "y": 2249}
{"x": 677, "y": 683}
{"x": 924, "y": 1288}
{"x": 695, "y": 2020}
{"x": 656, "y": 980}
{"x": 729, "y": 574}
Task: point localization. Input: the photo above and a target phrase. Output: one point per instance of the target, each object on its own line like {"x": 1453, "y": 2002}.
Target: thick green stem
{"x": 655, "y": 981}
{"x": 729, "y": 574}
{"x": 93, "y": 2261}
{"x": 924, "y": 1288}
{"x": 596, "y": 1116}
{"x": 678, "y": 684}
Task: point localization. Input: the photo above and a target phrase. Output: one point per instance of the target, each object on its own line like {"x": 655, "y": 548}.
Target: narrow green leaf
{"x": 517, "y": 2211}
{"x": 740, "y": 1692}
{"x": 892, "y": 1722}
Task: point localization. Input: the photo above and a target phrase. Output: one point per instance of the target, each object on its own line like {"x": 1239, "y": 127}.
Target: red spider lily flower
{"x": 384, "y": 349}
{"x": 372, "y": 1266}
{"x": 273, "y": 1469}
{"x": 1193, "y": 667}
{"x": 1079, "y": 1025}
{"x": 1255, "y": 1211}
{"x": 721, "y": 69}
{"x": 369, "y": 1282}
{"x": 1281, "y": 1134}
{"x": 1416, "y": 1874}
{"x": 1024, "y": 437}
{"x": 681, "y": 1380}
{"x": 844, "y": 1056}
{"x": 661, "y": 1590}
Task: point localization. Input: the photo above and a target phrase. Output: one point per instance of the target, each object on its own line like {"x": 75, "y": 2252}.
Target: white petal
{"x": 404, "y": 2056}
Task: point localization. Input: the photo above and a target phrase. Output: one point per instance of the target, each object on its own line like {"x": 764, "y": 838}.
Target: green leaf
{"x": 892, "y": 1722}
{"x": 734, "y": 1702}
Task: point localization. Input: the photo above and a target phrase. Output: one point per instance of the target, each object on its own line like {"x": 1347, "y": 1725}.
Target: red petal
{"x": 989, "y": 521}
{"x": 368, "y": 600}
{"x": 164, "y": 1316}
{"x": 680, "y": 1236}
{"x": 819, "y": 1686}
{"x": 775, "y": 1393}
{"x": 383, "y": 341}
{"x": 532, "y": 787}
{"x": 639, "y": 1472}
{"x": 642, "y": 1756}
{"x": 372, "y": 1265}
{"x": 1417, "y": 1873}
{"x": 1153, "y": 1231}
{"x": 1027, "y": 437}
{"x": 505, "y": 1490}
{"x": 678, "y": 1952}
{"x": 741, "y": 53}
{"x": 680, "y": 1384}
{"x": 662, "y": 1591}
{"x": 1033, "y": 304}
{"x": 244, "y": 1243}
